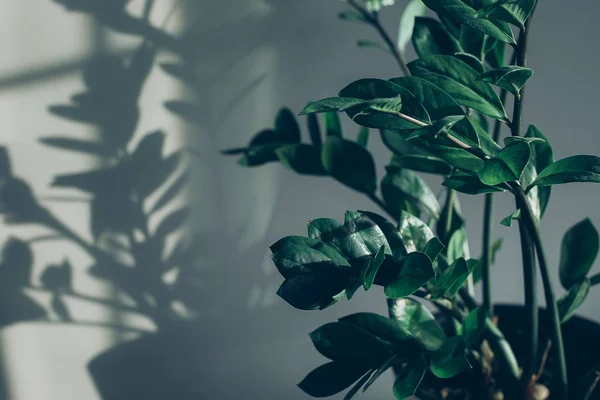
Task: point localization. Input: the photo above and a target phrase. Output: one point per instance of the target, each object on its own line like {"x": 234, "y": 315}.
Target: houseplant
{"x": 445, "y": 116}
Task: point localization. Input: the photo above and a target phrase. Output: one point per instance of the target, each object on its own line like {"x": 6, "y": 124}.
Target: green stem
{"x": 551, "y": 304}
{"x": 531, "y": 309}
{"x": 448, "y": 213}
{"x": 486, "y": 258}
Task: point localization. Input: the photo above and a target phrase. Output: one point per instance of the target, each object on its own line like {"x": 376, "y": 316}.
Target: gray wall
{"x": 279, "y": 52}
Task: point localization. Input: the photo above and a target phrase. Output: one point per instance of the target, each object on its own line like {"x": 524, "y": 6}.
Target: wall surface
{"x": 256, "y": 56}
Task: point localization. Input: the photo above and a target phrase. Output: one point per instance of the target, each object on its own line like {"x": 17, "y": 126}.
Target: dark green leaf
{"x": 410, "y": 378}
{"x": 433, "y": 248}
{"x": 429, "y": 37}
{"x": 452, "y": 279}
{"x": 365, "y": 234}
{"x": 414, "y": 232}
{"x": 331, "y": 378}
{"x": 331, "y": 104}
{"x": 474, "y": 326}
{"x": 314, "y": 130}
{"x": 302, "y": 158}
{"x": 578, "y": 251}
{"x": 461, "y": 13}
{"x": 405, "y": 185}
{"x": 362, "y": 381}
{"x": 374, "y": 265}
{"x": 541, "y": 156}
{"x": 570, "y": 302}
{"x": 286, "y": 126}
{"x": 416, "y": 271}
{"x": 512, "y": 78}
{"x": 581, "y": 168}
{"x": 421, "y": 163}
{"x": 414, "y": 318}
{"x": 384, "y": 367}
{"x": 471, "y": 61}
{"x": 514, "y": 12}
{"x": 413, "y": 10}
{"x": 496, "y": 56}
{"x": 294, "y": 259}
{"x": 456, "y": 245}
{"x": 450, "y": 359}
{"x": 342, "y": 341}
{"x": 84, "y": 146}
{"x": 327, "y": 250}
{"x": 459, "y": 80}
{"x": 458, "y": 158}
{"x": 508, "y": 165}
{"x": 386, "y": 329}
{"x": 391, "y": 233}
{"x": 469, "y": 184}
{"x": 313, "y": 290}
{"x": 350, "y": 164}
{"x": 363, "y": 136}
{"x": 172, "y": 222}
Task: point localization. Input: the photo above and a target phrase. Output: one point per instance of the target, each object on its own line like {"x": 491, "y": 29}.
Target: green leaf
{"x": 293, "y": 259}
{"x": 496, "y": 56}
{"x": 414, "y": 232}
{"x": 459, "y": 80}
{"x": 433, "y": 248}
{"x": 541, "y": 156}
{"x": 286, "y": 126}
{"x": 362, "y": 381}
{"x": 578, "y": 251}
{"x": 570, "y": 302}
{"x": 331, "y": 104}
{"x": 391, "y": 233}
{"x": 374, "y": 265}
{"x": 474, "y": 326}
{"x": 331, "y": 378}
{"x": 365, "y": 233}
{"x": 471, "y": 61}
{"x": 314, "y": 130}
{"x": 333, "y": 125}
{"x": 337, "y": 258}
{"x": 450, "y": 359}
{"x": 414, "y": 318}
{"x": 581, "y": 168}
{"x": 514, "y": 12}
{"x": 386, "y": 329}
{"x": 452, "y": 279}
{"x": 404, "y": 185}
{"x": 302, "y": 158}
{"x": 422, "y": 163}
{"x": 410, "y": 378}
{"x": 342, "y": 341}
{"x": 313, "y": 290}
{"x": 461, "y": 13}
{"x": 413, "y": 10}
{"x": 172, "y": 222}
{"x": 456, "y": 245}
{"x": 512, "y": 78}
{"x": 351, "y": 15}
{"x": 469, "y": 184}
{"x": 429, "y": 37}
{"x": 363, "y": 136}
{"x": 83, "y": 146}
{"x": 508, "y": 165}
{"x": 507, "y": 221}
{"x": 349, "y": 163}
{"x": 384, "y": 367}
{"x": 458, "y": 158}
{"x": 439, "y": 127}
{"x": 416, "y": 271}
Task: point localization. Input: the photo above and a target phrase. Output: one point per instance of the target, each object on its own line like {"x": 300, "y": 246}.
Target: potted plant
{"x": 447, "y": 116}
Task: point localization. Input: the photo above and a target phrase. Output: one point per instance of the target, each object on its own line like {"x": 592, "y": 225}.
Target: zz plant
{"x": 444, "y": 116}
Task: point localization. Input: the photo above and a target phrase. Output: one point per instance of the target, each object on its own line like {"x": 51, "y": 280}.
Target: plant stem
{"x": 373, "y": 20}
{"x": 486, "y": 257}
{"x": 551, "y": 305}
{"x": 449, "y": 210}
{"x": 531, "y": 309}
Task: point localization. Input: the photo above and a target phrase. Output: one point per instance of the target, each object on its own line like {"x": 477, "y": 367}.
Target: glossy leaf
{"x": 286, "y": 126}
{"x": 313, "y": 290}
{"x": 337, "y": 258}
{"x": 363, "y": 137}
{"x": 416, "y": 271}
{"x": 462, "y": 13}
{"x": 508, "y": 165}
{"x": 570, "y": 302}
{"x": 514, "y": 12}
{"x": 342, "y": 341}
{"x": 459, "y": 80}
{"x": 508, "y": 221}
{"x": 456, "y": 245}
{"x": 414, "y": 232}
{"x": 581, "y": 168}
{"x": 474, "y": 326}
{"x": 349, "y": 163}
{"x": 458, "y": 158}
{"x": 511, "y": 78}
{"x": 331, "y": 104}
{"x": 452, "y": 279}
{"x": 362, "y": 230}
{"x": 333, "y": 125}
{"x": 386, "y": 329}
{"x": 541, "y": 157}
{"x": 384, "y": 367}
{"x": 359, "y": 384}
{"x": 433, "y": 248}
{"x": 578, "y": 251}
{"x": 414, "y": 9}
{"x": 469, "y": 184}
{"x": 422, "y": 163}
{"x": 405, "y": 185}
{"x": 450, "y": 359}
{"x": 373, "y": 268}
{"x": 331, "y": 378}
{"x": 314, "y": 129}
{"x": 471, "y": 61}
{"x": 414, "y": 318}
{"x": 429, "y": 37}
{"x": 292, "y": 260}
{"x": 410, "y": 378}
{"x": 302, "y": 158}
